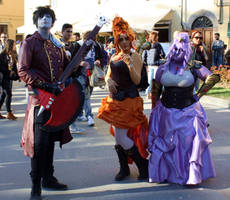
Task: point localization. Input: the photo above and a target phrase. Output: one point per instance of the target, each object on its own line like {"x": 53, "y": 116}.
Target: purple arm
{"x": 202, "y": 73}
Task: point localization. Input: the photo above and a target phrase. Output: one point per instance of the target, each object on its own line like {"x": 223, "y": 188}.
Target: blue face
{"x": 45, "y": 22}
{"x": 178, "y": 54}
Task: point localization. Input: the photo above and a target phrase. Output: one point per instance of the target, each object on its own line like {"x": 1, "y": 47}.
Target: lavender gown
{"x": 178, "y": 138}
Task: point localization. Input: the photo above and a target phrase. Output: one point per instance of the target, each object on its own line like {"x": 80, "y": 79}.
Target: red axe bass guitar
{"x": 64, "y": 108}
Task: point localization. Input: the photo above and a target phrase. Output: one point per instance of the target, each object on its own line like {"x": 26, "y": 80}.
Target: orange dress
{"x": 125, "y": 108}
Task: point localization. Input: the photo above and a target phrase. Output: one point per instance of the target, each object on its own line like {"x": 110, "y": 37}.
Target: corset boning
{"x": 126, "y": 88}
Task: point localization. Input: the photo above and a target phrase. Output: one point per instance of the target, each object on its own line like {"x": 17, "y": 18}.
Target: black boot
{"x": 52, "y": 183}
{"x": 142, "y": 164}
{"x": 124, "y": 167}
{"x": 36, "y": 189}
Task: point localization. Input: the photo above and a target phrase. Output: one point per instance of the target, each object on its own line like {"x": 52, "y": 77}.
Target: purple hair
{"x": 181, "y": 41}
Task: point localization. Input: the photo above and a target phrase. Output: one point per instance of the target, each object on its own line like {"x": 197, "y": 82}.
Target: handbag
{"x": 97, "y": 77}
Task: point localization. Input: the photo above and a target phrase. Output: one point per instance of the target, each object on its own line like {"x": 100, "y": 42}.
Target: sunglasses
{"x": 123, "y": 39}
{"x": 198, "y": 38}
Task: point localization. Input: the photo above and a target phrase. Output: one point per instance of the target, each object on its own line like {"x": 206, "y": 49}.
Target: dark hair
{"x": 27, "y": 36}
{"x": 65, "y": 26}
{"x": 217, "y": 34}
{"x": 77, "y": 34}
{"x": 9, "y": 49}
{"x": 41, "y": 11}
{"x": 9, "y": 45}
{"x": 111, "y": 39}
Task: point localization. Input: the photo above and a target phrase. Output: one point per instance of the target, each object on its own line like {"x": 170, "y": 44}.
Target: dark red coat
{"x": 34, "y": 63}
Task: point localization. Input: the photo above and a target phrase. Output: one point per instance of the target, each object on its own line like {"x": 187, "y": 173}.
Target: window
{"x": 4, "y": 28}
{"x": 202, "y": 22}
{"x": 164, "y": 28}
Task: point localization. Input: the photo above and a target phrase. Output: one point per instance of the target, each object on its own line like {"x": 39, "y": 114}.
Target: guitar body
{"x": 64, "y": 108}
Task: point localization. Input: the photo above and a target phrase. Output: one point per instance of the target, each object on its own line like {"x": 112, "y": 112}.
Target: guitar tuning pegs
{"x": 102, "y": 20}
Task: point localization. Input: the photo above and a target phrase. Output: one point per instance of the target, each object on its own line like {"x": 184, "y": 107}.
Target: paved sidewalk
{"x": 89, "y": 163}
{"x": 222, "y": 103}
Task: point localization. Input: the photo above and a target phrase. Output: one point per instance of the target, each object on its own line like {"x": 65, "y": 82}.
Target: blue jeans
{"x": 87, "y": 91}
{"x": 217, "y": 60}
{"x": 151, "y": 75}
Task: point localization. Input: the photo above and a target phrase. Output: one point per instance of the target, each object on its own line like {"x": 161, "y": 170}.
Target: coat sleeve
{"x": 25, "y": 71}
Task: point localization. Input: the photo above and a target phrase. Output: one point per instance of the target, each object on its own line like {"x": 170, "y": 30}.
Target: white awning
{"x": 138, "y": 22}
{"x": 26, "y": 29}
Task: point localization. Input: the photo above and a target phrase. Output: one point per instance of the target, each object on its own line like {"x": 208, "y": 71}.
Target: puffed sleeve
{"x": 202, "y": 72}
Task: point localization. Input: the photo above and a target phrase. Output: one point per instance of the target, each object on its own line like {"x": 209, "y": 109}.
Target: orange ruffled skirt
{"x": 127, "y": 114}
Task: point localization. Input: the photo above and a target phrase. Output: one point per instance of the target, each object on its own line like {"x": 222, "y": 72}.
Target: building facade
{"x": 206, "y": 15}
{"x": 11, "y": 17}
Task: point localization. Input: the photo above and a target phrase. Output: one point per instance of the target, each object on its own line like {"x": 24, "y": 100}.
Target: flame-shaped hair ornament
{"x": 120, "y": 26}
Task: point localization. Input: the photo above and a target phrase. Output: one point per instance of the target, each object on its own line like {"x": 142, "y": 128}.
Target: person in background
{"x": 146, "y": 45}
{"x": 152, "y": 58}
{"x": 8, "y": 62}
{"x": 109, "y": 47}
{"x": 199, "y": 48}
{"x": 227, "y": 57}
{"x": 198, "y": 52}
{"x": 76, "y": 36}
{"x": 71, "y": 49}
{"x": 70, "y": 46}
{"x": 110, "y": 50}
{"x": 217, "y": 51}
{"x": 225, "y": 52}
{"x": 3, "y": 39}
{"x": 94, "y": 57}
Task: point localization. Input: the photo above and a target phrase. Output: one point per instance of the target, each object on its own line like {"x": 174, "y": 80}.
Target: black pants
{"x": 7, "y": 93}
{"x": 44, "y": 142}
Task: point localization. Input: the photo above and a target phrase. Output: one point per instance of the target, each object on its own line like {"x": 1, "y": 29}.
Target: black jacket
{"x": 4, "y": 65}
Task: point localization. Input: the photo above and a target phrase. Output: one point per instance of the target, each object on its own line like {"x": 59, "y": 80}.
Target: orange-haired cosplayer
{"x": 123, "y": 108}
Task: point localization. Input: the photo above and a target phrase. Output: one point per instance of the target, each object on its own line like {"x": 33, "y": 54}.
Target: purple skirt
{"x": 178, "y": 142}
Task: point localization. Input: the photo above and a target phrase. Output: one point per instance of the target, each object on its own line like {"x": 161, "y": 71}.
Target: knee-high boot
{"x": 36, "y": 189}
{"x": 123, "y": 160}
{"x": 35, "y": 175}
{"x": 142, "y": 164}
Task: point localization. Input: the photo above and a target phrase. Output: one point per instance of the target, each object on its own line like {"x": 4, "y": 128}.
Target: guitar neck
{"x": 74, "y": 64}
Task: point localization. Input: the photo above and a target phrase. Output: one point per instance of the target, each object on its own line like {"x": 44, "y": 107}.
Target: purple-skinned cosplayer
{"x": 178, "y": 135}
